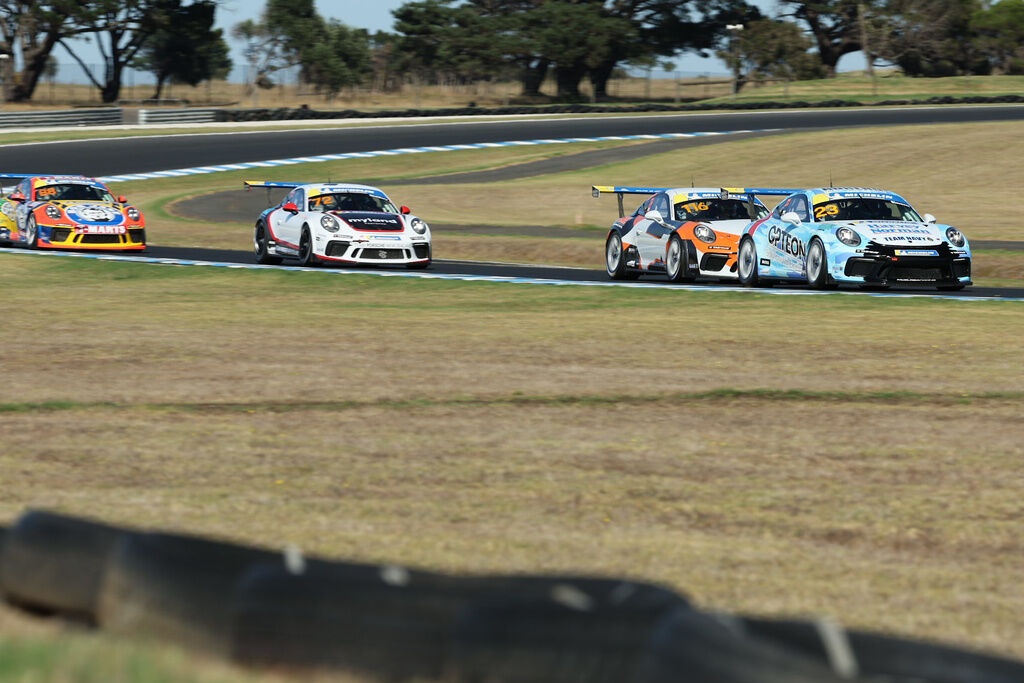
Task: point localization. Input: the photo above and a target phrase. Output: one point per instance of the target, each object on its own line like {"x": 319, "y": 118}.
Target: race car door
{"x": 287, "y": 226}
{"x": 652, "y": 237}
{"x": 788, "y": 242}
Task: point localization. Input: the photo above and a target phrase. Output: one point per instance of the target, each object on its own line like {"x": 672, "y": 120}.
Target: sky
{"x": 375, "y": 15}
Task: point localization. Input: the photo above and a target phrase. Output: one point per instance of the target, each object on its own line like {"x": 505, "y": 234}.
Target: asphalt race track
{"x": 507, "y": 270}
{"x": 157, "y": 153}
{"x": 164, "y": 152}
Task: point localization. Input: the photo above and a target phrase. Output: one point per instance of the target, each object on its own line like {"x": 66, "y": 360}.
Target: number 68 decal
{"x": 822, "y": 212}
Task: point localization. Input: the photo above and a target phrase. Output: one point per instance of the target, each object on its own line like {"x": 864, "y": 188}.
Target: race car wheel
{"x": 31, "y": 233}
{"x": 746, "y": 263}
{"x": 306, "y": 255}
{"x": 817, "y": 267}
{"x": 261, "y": 248}
{"x": 677, "y": 261}
{"x": 615, "y": 259}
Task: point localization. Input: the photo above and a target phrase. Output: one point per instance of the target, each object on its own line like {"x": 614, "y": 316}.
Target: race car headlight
{"x": 328, "y": 223}
{"x": 955, "y": 237}
{"x": 418, "y": 226}
{"x": 848, "y": 236}
{"x": 133, "y": 213}
{"x": 52, "y": 211}
{"x": 705, "y": 234}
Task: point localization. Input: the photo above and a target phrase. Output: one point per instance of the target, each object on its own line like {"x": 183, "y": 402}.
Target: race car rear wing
{"x": 748, "y": 192}
{"x": 596, "y": 191}
{"x": 249, "y": 184}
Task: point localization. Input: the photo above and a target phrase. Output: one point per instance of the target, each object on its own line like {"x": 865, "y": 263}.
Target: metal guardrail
{"x": 106, "y": 116}
{"x": 180, "y": 115}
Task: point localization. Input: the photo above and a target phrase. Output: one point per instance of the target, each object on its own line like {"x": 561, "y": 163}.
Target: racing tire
{"x": 746, "y": 264}
{"x": 261, "y": 248}
{"x": 575, "y": 632}
{"x": 306, "y": 255}
{"x": 56, "y": 564}
{"x": 32, "y": 233}
{"x": 817, "y": 266}
{"x": 677, "y": 260}
{"x": 876, "y": 655}
{"x": 711, "y": 649}
{"x": 615, "y": 259}
{"x": 388, "y": 622}
{"x": 176, "y": 588}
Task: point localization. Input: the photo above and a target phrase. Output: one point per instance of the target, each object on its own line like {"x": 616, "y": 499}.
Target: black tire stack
{"x": 267, "y": 608}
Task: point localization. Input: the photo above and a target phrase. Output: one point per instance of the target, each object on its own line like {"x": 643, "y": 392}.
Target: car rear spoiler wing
{"x": 596, "y": 191}
{"x": 249, "y": 184}
{"x": 748, "y": 192}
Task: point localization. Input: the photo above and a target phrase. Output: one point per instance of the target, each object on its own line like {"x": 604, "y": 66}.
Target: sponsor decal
{"x": 893, "y": 229}
{"x": 786, "y": 243}
{"x": 371, "y": 221}
{"x": 916, "y": 252}
{"x": 92, "y": 213}
{"x": 100, "y": 230}
{"x": 385, "y": 237}
{"x": 766, "y": 262}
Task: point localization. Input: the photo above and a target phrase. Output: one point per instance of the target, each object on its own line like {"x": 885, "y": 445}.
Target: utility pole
{"x": 868, "y": 57}
{"x": 733, "y": 29}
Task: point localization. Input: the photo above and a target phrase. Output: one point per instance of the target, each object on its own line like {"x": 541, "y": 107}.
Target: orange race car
{"x": 68, "y": 212}
{"x": 684, "y": 233}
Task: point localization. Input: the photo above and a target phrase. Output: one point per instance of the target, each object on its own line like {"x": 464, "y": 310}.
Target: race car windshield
{"x": 73, "y": 192}
{"x": 351, "y": 201}
{"x": 718, "y": 210}
{"x": 863, "y": 209}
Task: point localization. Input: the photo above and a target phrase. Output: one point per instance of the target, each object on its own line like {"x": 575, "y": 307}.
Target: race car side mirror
{"x": 122, "y": 199}
{"x": 928, "y": 218}
{"x": 791, "y": 217}
{"x": 405, "y": 210}
{"x": 17, "y": 197}
{"x": 655, "y": 215}
{"x": 290, "y": 207}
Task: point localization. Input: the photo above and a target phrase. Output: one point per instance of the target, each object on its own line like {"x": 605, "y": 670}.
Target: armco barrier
{"x": 265, "y": 608}
{"x": 180, "y": 115}
{"x": 107, "y": 116}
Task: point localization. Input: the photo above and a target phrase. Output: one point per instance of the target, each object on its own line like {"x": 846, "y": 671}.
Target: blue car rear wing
{"x": 776, "y": 191}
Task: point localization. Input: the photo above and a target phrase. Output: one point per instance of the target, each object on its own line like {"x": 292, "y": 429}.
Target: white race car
{"x": 339, "y": 223}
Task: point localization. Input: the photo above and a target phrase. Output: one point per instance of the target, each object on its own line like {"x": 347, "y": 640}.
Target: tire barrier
{"x": 711, "y": 650}
{"x": 357, "y": 617}
{"x": 177, "y": 588}
{"x": 268, "y": 608}
{"x": 54, "y": 563}
{"x": 874, "y": 655}
{"x": 573, "y": 635}
{"x": 287, "y": 114}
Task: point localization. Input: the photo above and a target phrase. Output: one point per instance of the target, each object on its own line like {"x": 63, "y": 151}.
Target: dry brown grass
{"x": 480, "y": 427}
{"x": 962, "y": 173}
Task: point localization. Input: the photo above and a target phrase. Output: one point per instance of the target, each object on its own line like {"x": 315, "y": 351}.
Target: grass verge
{"x": 766, "y": 454}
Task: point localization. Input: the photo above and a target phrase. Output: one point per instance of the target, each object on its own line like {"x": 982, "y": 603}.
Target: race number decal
{"x": 826, "y": 211}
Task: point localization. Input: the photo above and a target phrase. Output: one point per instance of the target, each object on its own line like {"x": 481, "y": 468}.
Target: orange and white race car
{"x": 684, "y": 233}
{"x": 68, "y": 212}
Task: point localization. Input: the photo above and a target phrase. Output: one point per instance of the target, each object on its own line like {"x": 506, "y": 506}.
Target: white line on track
{"x": 495, "y": 278}
{"x": 201, "y": 170}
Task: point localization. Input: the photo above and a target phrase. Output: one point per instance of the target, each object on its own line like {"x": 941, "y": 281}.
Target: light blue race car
{"x": 852, "y": 235}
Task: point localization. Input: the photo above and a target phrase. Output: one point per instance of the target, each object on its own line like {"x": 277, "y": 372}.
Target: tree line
{"x": 528, "y": 41}
{"x": 577, "y": 41}
{"x": 173, "y": 39}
